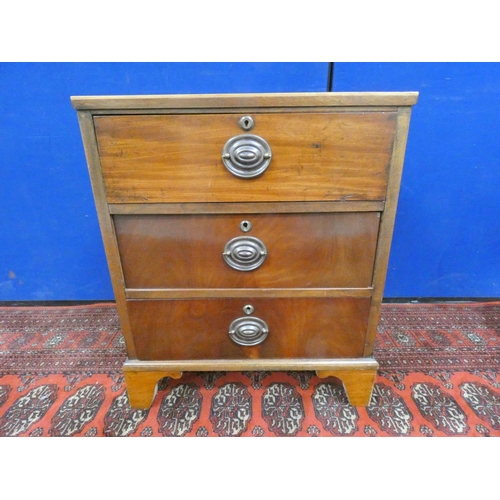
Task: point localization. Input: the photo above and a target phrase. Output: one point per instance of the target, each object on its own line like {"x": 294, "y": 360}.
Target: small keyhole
{"x": 248, "y": 309}
{"x": 245, "y": 226}
{"x": 246, "y": 123}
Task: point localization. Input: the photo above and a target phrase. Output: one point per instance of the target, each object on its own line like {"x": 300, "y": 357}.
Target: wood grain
{"x": 266, "y": 364}
{"x": 167, "y": 206}
{"x": 177, "y": 158}
{"x": 326, "y": 250}
{"x": 227, "y": 293}
{"x": 387, "y": 225}
{"x": 267, "y": 100}
{"x": 358, "y": 384}
{"x": 106, "y": 225}
{"x": 298, "y": 328}
{"x": 357, "y": 378}
{"x": 142, "y": 386}
{"x": 279, "y": 207}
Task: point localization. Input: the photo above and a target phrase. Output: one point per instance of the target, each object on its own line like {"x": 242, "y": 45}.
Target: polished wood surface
{"x": 142, "y": 385}
{"x": 266, "y": 364}
{"x": 356, "y": 375}
{"x": 387, "y": 226}
{"x": 227, "y": 293}
{"x": 326, "y": 250}
{"x": 204, "y": 102}
{"x": 278, "y": 207}
{"x": 177, "y": 158}
{"x": 358, "y": 384}
{"x": 298, "y": 328}
{"x": 106, "y": 225}
{"x": 325, "y": 209}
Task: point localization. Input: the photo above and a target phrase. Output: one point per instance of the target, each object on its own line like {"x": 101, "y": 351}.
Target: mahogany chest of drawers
{"x": 247, "y": 231}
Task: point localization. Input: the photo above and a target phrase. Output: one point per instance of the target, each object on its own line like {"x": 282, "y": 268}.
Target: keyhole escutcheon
{"x": 246, "y": 123}
{"x": 245, "y": 226}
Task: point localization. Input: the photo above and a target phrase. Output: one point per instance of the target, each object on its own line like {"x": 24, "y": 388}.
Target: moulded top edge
{"x": 270, "y": 100}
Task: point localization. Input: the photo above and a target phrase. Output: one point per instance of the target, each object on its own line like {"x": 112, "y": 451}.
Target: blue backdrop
{"x": 447, "y": 235}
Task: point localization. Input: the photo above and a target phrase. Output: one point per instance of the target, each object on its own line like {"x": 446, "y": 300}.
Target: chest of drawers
{"x": 247, "y": 232}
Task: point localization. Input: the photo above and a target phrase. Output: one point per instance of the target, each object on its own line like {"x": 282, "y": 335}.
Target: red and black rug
{"x": 60, "y": 375}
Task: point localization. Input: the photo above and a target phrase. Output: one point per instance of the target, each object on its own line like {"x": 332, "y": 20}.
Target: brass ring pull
{"x": 246, "y": 155}
{"x": 245, "y": 253}
{"x": 248, "y": 331}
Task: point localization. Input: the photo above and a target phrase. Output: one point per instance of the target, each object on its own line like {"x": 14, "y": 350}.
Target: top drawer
{"x": 178, "y": 158}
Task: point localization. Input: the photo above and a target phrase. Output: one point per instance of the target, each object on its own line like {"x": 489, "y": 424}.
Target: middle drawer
{"x": 319, "y": 250}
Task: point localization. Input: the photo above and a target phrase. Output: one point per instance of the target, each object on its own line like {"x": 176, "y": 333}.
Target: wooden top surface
{"x": 270, "y": 100}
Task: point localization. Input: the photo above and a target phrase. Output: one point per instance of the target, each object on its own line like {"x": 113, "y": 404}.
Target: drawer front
{"x": 293, "y": 328}
{"x": 178, "y": 158}
{"x": 326, "y": 250}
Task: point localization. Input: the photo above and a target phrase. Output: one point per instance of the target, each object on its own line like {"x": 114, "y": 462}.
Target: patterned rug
{"x": 60, "y": 375}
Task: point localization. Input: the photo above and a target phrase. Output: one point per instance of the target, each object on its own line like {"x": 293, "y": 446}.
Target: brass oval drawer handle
{"x": 245, "y": 253}
{"x": 246, "y": 155}
{"x": 248, "y": 331}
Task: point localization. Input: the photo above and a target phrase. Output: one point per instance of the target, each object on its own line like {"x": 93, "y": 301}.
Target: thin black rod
{"x": 329, "y": 83}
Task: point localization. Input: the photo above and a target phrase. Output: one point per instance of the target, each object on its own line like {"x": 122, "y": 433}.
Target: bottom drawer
{"x": 278, "y": 328}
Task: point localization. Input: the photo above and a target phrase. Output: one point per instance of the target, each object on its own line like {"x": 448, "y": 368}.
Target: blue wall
{"x": 447, "y": 235}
